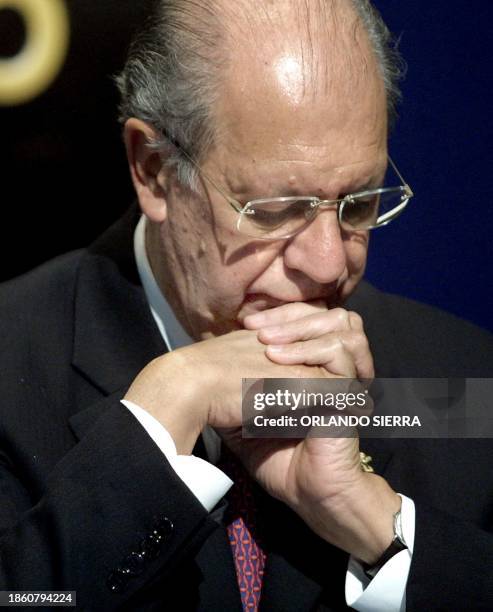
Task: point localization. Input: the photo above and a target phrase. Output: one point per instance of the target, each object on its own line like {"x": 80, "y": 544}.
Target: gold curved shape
{"x": 29, "y": 73}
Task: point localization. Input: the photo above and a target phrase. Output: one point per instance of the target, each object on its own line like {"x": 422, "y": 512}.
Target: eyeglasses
{"x": 283, "y": 217}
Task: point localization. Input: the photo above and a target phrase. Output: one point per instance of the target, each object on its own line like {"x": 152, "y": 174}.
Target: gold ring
{"x": 364, "y": 463}
{"x": 33, "y": 69}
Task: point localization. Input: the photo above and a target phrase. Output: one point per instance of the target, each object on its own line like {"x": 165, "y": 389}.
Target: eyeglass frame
{"x": 316, "y": 202}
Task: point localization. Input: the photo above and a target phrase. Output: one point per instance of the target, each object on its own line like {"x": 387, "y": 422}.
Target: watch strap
{"x": 396, "y": 546}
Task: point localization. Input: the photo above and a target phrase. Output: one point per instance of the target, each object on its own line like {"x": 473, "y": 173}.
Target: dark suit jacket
{"x": 83, "y": 489}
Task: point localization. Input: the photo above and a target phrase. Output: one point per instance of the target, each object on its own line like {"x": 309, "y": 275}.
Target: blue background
{"x": 439, "y": 251}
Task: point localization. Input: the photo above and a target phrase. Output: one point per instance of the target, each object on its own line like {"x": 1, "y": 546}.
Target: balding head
{"x": 310, "y": 62}
{"x": 312, "y": 45}
{"x": 191, "y": 51}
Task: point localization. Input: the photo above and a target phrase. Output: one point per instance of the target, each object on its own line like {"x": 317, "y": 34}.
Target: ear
{"x": 149, "y": 175}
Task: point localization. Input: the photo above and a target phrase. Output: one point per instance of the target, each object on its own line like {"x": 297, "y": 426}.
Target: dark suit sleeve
{"x": 452, "y": 564}
{"x": 112, "y": 502}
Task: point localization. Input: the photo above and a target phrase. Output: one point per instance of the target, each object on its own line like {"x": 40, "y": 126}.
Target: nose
{"x": 318, "y": 251}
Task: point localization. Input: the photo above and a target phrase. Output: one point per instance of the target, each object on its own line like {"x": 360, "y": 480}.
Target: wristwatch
{"x": 397, "y": 545}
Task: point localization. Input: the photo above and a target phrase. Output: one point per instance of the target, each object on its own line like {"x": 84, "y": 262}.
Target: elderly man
{"x": 257, "y": 142}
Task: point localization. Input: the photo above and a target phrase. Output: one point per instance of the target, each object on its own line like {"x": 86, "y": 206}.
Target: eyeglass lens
{"x": 277, "y": 219}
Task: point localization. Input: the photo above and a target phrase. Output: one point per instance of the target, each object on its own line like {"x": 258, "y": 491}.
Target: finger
{"x": 355, "y": 321}
{"x": 283, "y": 314}
{"x": 328, "y": 352}
{"x": 311, "y": 326}
{"x": 331, "y": 350}
{"x": 356, "y": 344}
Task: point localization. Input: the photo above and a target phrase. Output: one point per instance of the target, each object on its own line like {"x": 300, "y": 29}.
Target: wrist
{"x": 362, "y": 519}
{"x": 165, "y": 391}
{"x": 397, "y": 545}
{"x": 373, "y": 511}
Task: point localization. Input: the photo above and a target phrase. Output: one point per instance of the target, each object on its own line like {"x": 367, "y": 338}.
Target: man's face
{"x": 278, "y": 135}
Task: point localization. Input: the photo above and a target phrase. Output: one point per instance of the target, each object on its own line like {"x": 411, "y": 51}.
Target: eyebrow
{"x": 368, "y": 186}
{"x": 243, "y": 196}
{"x": 292, "y": 192}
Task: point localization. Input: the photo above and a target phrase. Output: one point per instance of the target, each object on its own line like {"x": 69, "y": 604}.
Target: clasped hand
{"x": 319, "y": 478}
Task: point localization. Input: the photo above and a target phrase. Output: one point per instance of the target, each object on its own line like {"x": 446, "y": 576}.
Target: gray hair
{"x": 174, "y": 65}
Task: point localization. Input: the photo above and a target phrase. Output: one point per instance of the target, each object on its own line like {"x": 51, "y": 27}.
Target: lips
{"x": 263, "y": 301}
{"x": 257, "y": 302}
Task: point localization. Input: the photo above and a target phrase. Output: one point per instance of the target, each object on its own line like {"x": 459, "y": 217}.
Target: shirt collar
{"x": 171, "y": 330}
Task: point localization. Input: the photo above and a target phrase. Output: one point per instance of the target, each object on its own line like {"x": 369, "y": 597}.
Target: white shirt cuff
{"x": 387, "y": 591}
{"x": 207, "y": 482}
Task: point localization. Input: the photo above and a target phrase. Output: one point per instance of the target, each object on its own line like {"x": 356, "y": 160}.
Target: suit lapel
{"x": 115, "y": 334}
{"x": 218, "y": 588}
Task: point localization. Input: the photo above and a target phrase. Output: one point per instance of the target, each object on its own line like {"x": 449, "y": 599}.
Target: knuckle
{"x": 355, "y": 320}
{"x": 337, "y": 344}
{"x": 342, "y": 316}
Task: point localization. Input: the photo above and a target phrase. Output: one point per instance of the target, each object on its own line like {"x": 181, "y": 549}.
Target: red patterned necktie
{"x": 243, "y": 535}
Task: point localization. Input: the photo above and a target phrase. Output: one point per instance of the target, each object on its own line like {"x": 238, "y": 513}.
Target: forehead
{"x": 300, "y": 101}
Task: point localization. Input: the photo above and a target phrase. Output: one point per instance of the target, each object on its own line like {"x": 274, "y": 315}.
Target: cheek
{"x": 221, "y": 263}
{"x": 356, "y": 247}
{"x": 185, "y": 227}
{"x": 240, "y": 263}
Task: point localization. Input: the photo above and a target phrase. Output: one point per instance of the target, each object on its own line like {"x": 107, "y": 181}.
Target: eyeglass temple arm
{"x": 399, "y": 174}
{"x": 231, "y": 201}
